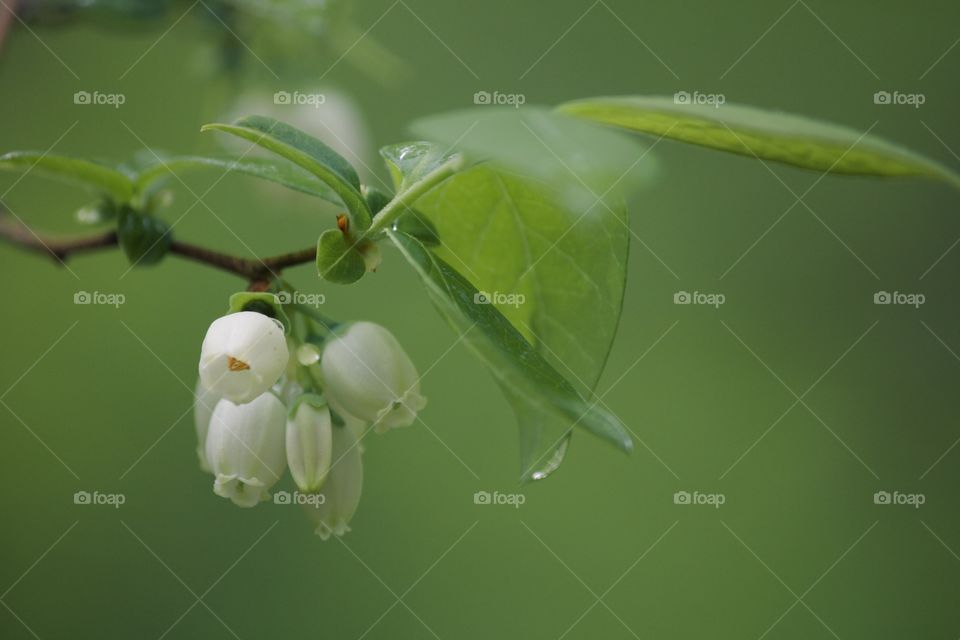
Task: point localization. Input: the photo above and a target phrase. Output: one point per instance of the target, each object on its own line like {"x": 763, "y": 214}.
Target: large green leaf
{"x": 549, "y": 246}
{"x": 768, "y": 135}
{"x": 307, "y": 152}
{"x": 97, "y": 177}
{"x": 547, "y": 404}
{"x": 279, "y": 171}
{"x": 556, "y": 274}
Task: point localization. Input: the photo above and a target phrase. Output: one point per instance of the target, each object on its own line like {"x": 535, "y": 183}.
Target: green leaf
{"x": 144, "y": 239}
{"x": 376, "y": 199}
{"x": 414, "y": 223}
{"x": 97, "y": 177}
{"x": 280, "y": 172}
{"x": 767, "y": 135}
{"x": 557, "y": 274}
{"x": 547, "y": 404}
{"x": 336, "y": 260}
{"x": 557, "y": 239}
{"x": 309, "y": 153}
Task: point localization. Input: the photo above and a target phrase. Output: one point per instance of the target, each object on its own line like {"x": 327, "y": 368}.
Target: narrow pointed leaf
{"x": 95, "y": 176}
{"x": 278, "y": 171}
{"x": 309, "y": 153}
{"x": 768, "y": 135}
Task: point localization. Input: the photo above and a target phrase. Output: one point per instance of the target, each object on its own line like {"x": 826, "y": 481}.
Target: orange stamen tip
{"x": 236, "y": 365}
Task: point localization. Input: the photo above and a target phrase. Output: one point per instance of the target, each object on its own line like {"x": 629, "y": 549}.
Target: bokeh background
{"x": 796, "y": 400}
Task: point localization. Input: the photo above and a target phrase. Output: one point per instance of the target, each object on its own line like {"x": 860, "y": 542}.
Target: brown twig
{"x": 257, "y": 272}
{"x": 6, "y": 19}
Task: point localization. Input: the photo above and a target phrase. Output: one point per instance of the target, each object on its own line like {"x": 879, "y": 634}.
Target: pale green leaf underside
{"x": 577, "y": 161}
{"x": 307, "y": 152}
{"x": 278, "y": 171}
{"x": 94, "y": 176}
{"x": 768, "y": 135}
{"x": 535, "y": 388}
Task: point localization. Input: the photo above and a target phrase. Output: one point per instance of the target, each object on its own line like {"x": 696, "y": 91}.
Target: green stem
{"x": 402, "y": 201}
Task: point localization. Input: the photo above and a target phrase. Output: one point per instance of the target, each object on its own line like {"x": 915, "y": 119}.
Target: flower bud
{"x": 341, "y": 491}
{"x": 245, "y": 448}
{"x": 368, "y": 375}
{"x": 243, "y": 355}
{"x": 309, "y": 443}
{"x": 204, "y": 401}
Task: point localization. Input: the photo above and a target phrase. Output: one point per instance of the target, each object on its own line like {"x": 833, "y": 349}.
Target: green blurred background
{"x": 798, "y": 549}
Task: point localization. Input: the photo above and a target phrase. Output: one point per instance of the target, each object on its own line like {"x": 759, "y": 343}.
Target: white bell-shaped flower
{"x": 243, "y": 355}
{"x": 369, "y": 376}
{"x": 340, "y": 494}
{"x": 245, "y": 448}
{"x": 309, "y": 443}
{"x": 204, "y": 401}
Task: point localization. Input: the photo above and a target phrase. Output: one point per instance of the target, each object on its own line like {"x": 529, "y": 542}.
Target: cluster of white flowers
{"x": 258, "y": 411}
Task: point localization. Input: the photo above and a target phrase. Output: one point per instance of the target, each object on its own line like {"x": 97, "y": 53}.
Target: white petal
{"x": 243, "y": 354}
{"x": 245, "y": 447}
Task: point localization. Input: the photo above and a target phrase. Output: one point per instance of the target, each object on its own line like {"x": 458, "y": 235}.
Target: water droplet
{"x": 308, "y": 354}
